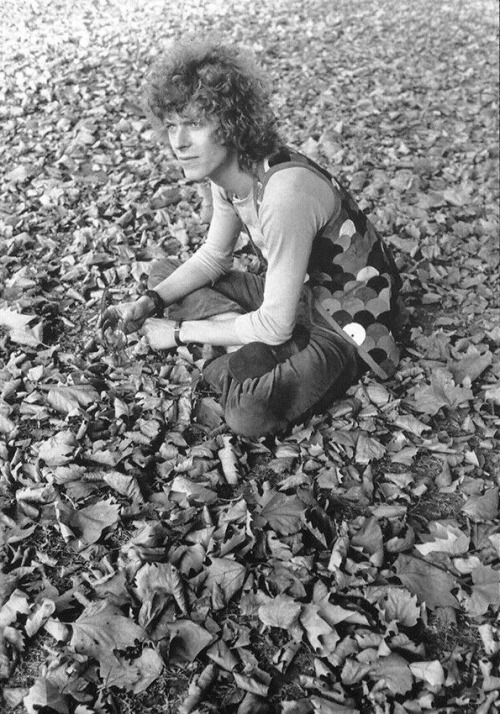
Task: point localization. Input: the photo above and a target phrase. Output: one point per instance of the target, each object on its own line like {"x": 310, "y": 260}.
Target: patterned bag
{"x": 353, "y": 276}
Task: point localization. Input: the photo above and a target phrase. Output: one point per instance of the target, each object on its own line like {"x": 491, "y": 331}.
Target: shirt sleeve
{"x": 215, "y": 256}
{"x": 297, "y": 204}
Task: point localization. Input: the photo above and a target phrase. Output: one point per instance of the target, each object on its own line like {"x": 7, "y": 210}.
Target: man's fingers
{"x": 111, "y": 327}
{"x": 110, "y": 319}
{"x": 107, "y": 325}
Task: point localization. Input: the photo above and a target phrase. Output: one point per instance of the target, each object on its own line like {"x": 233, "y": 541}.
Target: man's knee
{"x": 252, "y": 417}
{"x": 161, "y": 269}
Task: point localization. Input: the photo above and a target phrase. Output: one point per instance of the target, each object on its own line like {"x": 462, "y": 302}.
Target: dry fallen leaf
{"x": 59, "y": 449}
{"x": 45, "y": 694}
{"x": 341, "y": 555}
{"x": 429, "y": 583}
{"x": 282, "y": 611}
{"x": 93, "y": 520}
{"x": 101, "y": 629}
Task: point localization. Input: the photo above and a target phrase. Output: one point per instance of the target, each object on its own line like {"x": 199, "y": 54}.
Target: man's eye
{"x": 171, "y": 126}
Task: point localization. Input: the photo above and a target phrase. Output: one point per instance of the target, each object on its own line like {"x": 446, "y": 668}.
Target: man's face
{"x": 195, "y": 144}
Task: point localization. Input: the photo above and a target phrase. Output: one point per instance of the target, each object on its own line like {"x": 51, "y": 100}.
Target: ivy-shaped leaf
{"x": 282, "y": 513}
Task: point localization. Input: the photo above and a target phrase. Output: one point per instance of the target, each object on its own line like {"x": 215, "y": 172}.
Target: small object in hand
{"x": 110, "y": 323}
{"x": 116, "y": 339}
{"x": 108, "y": 317}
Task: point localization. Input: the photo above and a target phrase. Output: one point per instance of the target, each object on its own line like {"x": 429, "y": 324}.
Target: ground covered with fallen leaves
{"x": 151, "y": 562}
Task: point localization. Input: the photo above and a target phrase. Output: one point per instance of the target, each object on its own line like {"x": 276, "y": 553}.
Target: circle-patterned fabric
{"x": 351, "y": 271}
{"x": 355, "y": 280}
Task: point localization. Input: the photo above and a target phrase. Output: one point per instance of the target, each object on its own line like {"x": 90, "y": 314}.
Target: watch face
{"x": 177, "y": 333}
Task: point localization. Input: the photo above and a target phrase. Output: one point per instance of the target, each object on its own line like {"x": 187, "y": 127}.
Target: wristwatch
{"x": 177, "y": 333}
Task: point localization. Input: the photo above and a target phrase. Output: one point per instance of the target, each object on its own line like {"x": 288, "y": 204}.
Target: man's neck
{"x": 235, "y": 181}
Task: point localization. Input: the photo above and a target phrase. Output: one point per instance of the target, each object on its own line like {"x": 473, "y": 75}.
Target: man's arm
{"x": 204, "y": 267}
{"x": 297, "y": 204}
{"x": 208, "y": 263}
{"x": 218, "y": 330}
{"x": 292, "y": 213}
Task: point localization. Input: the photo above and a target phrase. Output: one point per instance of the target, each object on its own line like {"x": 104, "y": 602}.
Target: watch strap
{"x": 177, "y": 333}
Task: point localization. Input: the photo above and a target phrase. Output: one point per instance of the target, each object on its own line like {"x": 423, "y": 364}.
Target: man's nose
{"x": 180, "y": 137}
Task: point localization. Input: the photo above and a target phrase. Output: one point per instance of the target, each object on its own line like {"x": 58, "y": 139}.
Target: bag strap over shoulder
{"x": 287, "y": 158}
{"x": 367, "y": 359}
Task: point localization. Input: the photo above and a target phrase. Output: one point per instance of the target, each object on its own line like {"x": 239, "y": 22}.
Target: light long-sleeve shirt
{"x": 296, "y": 205}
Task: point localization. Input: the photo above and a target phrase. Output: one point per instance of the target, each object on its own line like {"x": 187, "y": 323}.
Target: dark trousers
{"x": 266, "y": 389}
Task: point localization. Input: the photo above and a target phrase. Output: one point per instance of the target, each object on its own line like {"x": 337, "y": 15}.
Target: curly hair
{"x": 218, "y": 82}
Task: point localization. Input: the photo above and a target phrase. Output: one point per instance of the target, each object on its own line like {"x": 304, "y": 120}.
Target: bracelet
{"x": 177, "y": 333}
{"x": 158, "y": 302}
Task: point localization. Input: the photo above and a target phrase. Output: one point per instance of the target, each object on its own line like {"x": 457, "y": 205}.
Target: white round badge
{"x": 356, "y": 331}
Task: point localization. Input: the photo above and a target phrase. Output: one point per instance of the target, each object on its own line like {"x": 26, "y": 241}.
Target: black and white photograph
{"x": 249, "y": 357}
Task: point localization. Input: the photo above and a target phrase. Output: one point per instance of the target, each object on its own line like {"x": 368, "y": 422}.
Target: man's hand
{"x": 127, "y": 317}
{"x": 159, "y": 333}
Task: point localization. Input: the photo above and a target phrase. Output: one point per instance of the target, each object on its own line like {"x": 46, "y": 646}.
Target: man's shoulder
{"x": 294, "y": 177}
{"x": 290, "y": 180}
